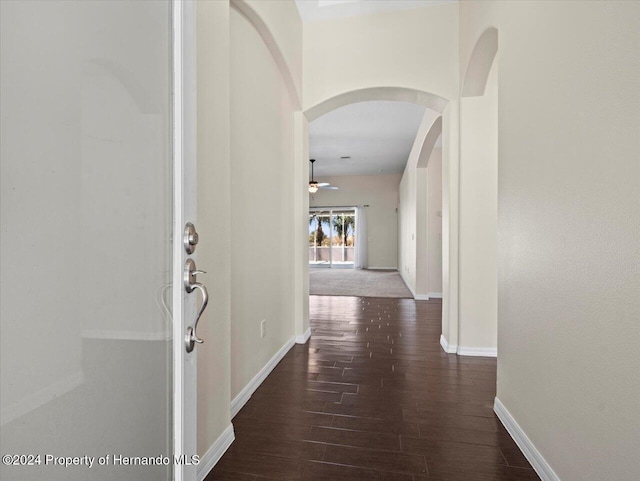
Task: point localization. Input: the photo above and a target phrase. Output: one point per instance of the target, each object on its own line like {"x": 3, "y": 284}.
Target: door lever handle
{"x": 191, "y": 337}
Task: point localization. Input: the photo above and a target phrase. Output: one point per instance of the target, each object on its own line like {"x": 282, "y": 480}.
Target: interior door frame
{"x": 184, "y": 210}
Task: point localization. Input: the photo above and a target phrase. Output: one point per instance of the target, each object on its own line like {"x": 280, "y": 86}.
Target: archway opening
{"x": 426, "y": 140}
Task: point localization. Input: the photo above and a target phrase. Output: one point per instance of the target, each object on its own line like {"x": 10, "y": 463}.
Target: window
{"x": 332, "y": 237}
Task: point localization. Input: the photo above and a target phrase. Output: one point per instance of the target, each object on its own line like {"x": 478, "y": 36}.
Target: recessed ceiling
{"x": 377, "y": 136}
{"x": 315, "y": 10}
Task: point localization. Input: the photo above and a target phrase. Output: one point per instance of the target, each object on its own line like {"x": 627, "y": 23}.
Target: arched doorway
{"x": 438, "y": 122}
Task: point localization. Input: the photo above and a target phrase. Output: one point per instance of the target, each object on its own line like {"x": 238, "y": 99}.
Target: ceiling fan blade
{"x": 329, "y": 187}
{"x": 323, "y": 184}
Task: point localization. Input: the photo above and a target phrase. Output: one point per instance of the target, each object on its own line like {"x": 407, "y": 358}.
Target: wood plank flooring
{"x": 372, "y": 397}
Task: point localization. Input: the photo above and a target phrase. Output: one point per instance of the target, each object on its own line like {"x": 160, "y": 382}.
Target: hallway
{"x": 371, "y": 397}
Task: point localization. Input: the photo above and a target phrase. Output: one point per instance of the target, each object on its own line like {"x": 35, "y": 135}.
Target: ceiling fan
{"x": 314, "y": 186}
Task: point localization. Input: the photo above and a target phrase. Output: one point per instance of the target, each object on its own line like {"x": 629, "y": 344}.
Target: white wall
{"x": 380, "y": 192}
{"x": 450, "y": 219}
{"x": 262, "y": 227}
{"x": 434, "y": 223}
{"x": 420, "y": 245}
{"x": 568, "y": 228}
{"x": 407, "y": 226}
{"x": 301, "y": 225}
{"x": 415, "y": 48}
{"x": 420, "y": 225}
{"x": 285, "y": 26}
{"x": 416, "y": 188}
{"x": 214, "y": 219}
{"x": 478, "y": 320}
{"x": 245, "y": 138}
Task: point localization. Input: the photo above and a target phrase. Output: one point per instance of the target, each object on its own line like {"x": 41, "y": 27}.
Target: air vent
{"x": 344, "y": 157}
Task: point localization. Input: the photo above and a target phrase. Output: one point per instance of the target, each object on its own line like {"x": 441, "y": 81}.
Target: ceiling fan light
{"x": 313, "y": 187}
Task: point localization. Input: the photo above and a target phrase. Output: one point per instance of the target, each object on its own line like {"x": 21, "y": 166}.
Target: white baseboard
{"x": 214, "y": 453}
{"x": 467, "y": 351}
{"x": 477, "y": 351}
{"x": 304, "y": 338}
{"x": 435, "y": 295}
{"x": 530, "y": 452}
{"x": 449, "y": 349}
{"x": 406, "y": 283}
{"x": 382, "y": 268}
{"x": 244, "y": 395}
{"x": 417, "y": 297}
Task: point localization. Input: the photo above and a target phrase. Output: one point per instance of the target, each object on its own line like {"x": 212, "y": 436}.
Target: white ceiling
{"x": 378, "y": 137}
{"x": 315, "y": 10}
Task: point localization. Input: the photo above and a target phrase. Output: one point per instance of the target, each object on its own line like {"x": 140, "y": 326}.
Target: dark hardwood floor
{"x": 372, "y": 397}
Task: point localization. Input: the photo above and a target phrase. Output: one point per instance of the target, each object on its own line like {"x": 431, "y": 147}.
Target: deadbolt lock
{"x": 190, "y": 238}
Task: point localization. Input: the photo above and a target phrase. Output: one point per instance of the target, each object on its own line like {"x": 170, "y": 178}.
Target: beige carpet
{"x": 357, "y": 282}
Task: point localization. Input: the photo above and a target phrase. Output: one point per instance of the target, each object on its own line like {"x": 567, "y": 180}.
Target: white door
{"x": 97, "y": 181}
